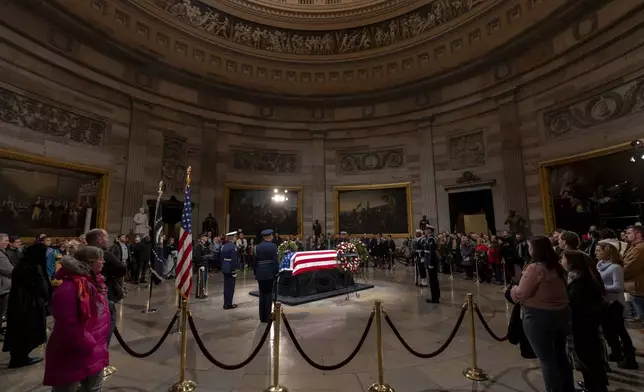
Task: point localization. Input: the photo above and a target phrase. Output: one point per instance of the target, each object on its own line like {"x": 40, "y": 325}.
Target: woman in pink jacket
{"x": 77, "y": 349}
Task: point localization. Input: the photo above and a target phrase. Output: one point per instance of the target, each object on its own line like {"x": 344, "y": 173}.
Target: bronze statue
{"x": 516, "y": 223}
{"x": 210, "y": 224}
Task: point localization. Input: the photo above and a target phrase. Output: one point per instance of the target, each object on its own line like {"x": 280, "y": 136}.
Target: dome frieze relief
{"x": 178, "y": 54}
{"x": 318, "y": 43}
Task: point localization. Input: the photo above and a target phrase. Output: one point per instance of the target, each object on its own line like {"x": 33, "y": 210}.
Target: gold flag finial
{"x": 160, "y": 187}
{"x": 188, "y": 171}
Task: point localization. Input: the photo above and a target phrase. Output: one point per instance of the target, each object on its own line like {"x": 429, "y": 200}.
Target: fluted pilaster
{"x": 514, "y": 177}
{"x": 427, "y": 172}
{"x": 318, "y": 182}
{"x": 209, "y": 175}
{"x": 135, "y": 171}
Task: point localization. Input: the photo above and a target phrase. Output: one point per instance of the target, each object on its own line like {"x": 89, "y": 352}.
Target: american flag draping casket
{"x": 315, "y": 260}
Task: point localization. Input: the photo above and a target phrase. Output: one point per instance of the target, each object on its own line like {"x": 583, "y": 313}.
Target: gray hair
{"x": 3, "y": 235}
{"x": 89, "y": 254}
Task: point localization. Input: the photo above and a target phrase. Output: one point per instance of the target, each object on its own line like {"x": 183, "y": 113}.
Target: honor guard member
{"x": 200, "y": 260}
{"x": 265, "y": 271}
{"x": 418, "y": 245}
{"x": 229, "y": 267}
{"x": 431, "y": 261}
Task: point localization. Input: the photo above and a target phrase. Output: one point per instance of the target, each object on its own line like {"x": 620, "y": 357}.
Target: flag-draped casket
{"x": 311, "y": 272}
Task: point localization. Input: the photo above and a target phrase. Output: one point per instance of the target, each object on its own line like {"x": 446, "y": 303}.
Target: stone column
{"x": 133, "y": 197}
{"x": 511, "y": 153}
{"x": 208, "y": 184}
{"x": 318, "y": 180}
{"x": 427, "y": 171}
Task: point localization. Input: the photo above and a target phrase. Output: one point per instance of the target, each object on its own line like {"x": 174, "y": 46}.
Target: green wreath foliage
{"x": 285, "y": 247}
{"x": 362, "y": 251}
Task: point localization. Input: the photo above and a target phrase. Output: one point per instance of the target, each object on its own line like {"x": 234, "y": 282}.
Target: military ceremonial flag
{"x": 157, "y": 250}
{"x": 183, "y": 282}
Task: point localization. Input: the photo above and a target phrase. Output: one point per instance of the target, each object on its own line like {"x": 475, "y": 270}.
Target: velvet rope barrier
{"x": 441, "y": 348}
{"x": 328, "y": 367}
{"x": 133, "y": 353}
{"x": 221, "y": 365}
{"x": 487, "y": 327}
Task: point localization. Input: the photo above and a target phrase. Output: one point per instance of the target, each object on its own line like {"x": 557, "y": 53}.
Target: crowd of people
{"x": 573, "y": 304}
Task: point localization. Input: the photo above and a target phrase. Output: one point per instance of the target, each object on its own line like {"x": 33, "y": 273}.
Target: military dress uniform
{"x": 266, "y": 269}
{"x": 229, "y": 267}
{"x": 432, "y": 262}
{"x": 418, "y": 245}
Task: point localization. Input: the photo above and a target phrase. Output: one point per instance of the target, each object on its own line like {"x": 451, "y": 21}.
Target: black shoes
{"x": 20, "y": 364}
{"x": 628, "y": 365}
{"x": 433, "y": 301}
{"x": 228, "y": 307}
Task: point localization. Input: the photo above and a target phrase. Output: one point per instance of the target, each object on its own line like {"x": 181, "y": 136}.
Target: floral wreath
{"x": 347, "y": 263}
{"x": 285, "y": 248}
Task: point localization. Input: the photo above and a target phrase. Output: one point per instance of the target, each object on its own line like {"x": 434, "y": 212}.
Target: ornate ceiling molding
{"x": 318, "y": 43}
{"x": 319, "y": 14}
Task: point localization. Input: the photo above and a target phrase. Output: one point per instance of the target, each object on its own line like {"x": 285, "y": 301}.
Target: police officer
{"x": 431, "y": 261}
{"x": 418, "y": 246}
{"x": 229, "y": 267}
{"x": 266, "y": 269}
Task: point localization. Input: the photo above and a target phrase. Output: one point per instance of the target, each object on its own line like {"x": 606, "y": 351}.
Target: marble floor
{"x": 328, "y": 331}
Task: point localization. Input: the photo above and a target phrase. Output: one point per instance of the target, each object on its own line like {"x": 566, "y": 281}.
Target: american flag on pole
{"x": 301, "y": 262}
{"x": 183, "y": 282}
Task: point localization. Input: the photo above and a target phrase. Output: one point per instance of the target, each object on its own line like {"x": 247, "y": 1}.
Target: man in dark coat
{"x": 27, "y": 307}
{"x": 113, "y": 271}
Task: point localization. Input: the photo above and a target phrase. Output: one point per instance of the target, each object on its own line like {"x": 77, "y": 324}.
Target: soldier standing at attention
{"x": 267, "y": 268}
{"x": 431, "y": 259}
{"x": 229, "y": 267}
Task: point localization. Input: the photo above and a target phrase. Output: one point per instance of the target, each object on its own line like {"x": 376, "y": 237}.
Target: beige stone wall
{"x": 111, "y": 154}
{"x": 496, "y": 123}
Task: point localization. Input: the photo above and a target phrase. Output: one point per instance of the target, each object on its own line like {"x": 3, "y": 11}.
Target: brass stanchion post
{"x": 183, "y": 385}
{"x": 277, "y": 322}
{"x": 380, "y": 386}
{"x": 473, "y": 373}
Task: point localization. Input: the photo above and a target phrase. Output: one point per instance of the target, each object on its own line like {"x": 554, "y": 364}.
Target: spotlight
{"x": 632, "y": 159}
{"x": 287, "y": 197}
{"x": 275, "y": 190}
{"x": 285, "y": 190}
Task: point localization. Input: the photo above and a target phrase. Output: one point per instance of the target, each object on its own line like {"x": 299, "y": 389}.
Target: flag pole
{"x": 157, "y": 237}
{"x": 184, "y": 385}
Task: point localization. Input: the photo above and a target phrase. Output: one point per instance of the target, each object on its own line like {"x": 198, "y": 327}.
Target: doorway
{"x": 471, "y": 203}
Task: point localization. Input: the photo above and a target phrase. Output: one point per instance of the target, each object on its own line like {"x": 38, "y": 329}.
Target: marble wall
{"x": 500, "y": 124}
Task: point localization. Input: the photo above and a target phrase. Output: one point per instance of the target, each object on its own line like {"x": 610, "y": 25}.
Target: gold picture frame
{"x": 545, "y": 167}
{"x": 232, "y": 186}
{"x": 101, "y": 214}
{"x": 399, "y": 185}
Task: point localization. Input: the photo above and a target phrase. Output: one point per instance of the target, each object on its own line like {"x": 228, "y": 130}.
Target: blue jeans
{"x": 638, "y": 304}
{"x": 547, "y": 330}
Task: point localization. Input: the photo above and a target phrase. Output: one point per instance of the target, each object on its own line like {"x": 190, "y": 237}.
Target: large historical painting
{"x": 374, "y": 209}
{"x": 605, "y": 190}
{"x": 41, "y": 199}
{"x": 253, "y": 210}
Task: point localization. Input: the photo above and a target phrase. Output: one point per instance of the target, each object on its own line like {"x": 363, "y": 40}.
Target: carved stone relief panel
{"x": 173, "y": 170}
{"x": 265, "y": 161}
{"x": 34, "y": 114}
{"x": 357, "y": 39}
{"x": 351, "y": 162}
{"x": 601, "y": 108}
{"x": 467, "y": 151}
